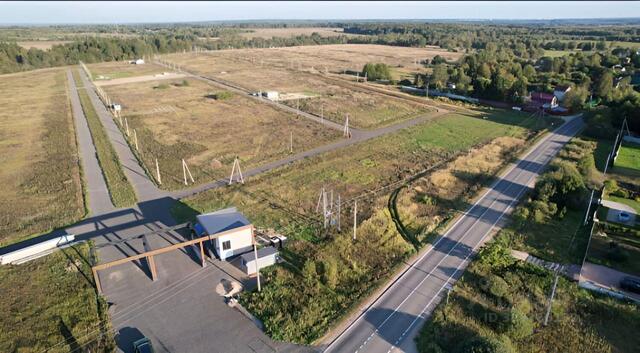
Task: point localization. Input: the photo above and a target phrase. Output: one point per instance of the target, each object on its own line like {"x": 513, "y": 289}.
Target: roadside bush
{"x": 611, "y": 186}
{"x": 479, "y": 344}
{"x": 220, "y": 96}
{"x": 161, "y": 86}
{"x": 310, "y": 274}
{"x": 496, "y": 255}
{"x": 330, "y": 272}
{"x": 496, "y": 286}
{"x": 520, "y": 325}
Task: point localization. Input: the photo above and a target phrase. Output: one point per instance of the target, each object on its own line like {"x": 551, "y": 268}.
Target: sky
{"x": 63, "y": 12}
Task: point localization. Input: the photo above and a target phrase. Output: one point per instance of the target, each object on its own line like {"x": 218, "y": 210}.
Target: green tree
{"x": 605, "y": 84}
{"x": 439, "y": 76}
{"x": 378, "y": 71}
{"x": 575, "y": 98}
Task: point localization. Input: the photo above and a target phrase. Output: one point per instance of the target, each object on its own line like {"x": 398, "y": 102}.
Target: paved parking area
{"x": 180, "y": 311}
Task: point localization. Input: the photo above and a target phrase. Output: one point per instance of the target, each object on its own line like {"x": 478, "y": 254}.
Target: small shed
{"x": 266, "y": 257}
{"x": 238, "y": 237}
{"x": 116, "y": 107}
{"x": 138, "y": 62}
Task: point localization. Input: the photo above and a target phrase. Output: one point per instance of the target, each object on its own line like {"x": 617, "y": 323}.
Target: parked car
{"x": 624, "y": 217}
{"x": 630, "y": 284}
{"x": 143, "y": 345}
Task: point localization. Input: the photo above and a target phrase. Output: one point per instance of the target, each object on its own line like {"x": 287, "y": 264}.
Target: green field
{"x": 120, "y": 190}
{"x": 628, "y": 161}
{"x": 51, "y": 304}
{"x": 558, "y": 53}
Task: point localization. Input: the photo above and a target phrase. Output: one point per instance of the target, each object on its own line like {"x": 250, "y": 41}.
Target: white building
{"x": 238, "y": 231}
{"x": 266, "y": 257}
{"x": 138, "y": 62}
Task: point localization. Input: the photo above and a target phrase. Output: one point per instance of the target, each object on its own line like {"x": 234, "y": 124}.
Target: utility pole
{"x": 236, "y": 165}
{"x": 345, "y": 131}
{"x": 158, "y": 172}
{"x": 291, "y": 142}
{"x": 185, "y": 170}
{"x": 355, "y": 218}
{"x": 255, "y": 254}
{"x": 553, "y": 293}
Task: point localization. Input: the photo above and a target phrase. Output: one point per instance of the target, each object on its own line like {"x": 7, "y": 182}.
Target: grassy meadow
{"x": 50, "y": 304}
{"x": 40, "y": 174}
{"x": 628, "y": 161}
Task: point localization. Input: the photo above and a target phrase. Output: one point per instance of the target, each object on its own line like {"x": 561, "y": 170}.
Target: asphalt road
{"x": 391, "y": 322}
{"x": 96, "y": 192}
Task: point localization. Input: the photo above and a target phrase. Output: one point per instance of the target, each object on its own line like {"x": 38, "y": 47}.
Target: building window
{"x": 226, "y": 245}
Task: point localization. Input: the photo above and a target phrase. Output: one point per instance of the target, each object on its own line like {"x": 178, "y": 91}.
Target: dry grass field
{"x": 40, "y": 177}
{"x": 175, "y": 121}
{"x": 270, "y": 69}
{"x": 123, "y": 69}
{"x": 268, "y": 33}
{"x": 366, "y": 166}
{"x": 42, "y": 44}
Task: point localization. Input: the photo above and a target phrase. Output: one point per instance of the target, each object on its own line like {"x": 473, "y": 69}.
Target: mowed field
{"x": 268, "y": 33}
{"x": 174, "y": 121}
{"x": 40, "y": 175}
{"x": 313, "y": 72}
{"x": 628, "y": 161}
{"x": 123, "y": 69}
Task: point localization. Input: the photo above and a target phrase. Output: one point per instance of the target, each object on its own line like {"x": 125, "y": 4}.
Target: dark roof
{"x": 222, "y": 220}
{"x": 542, "y": 97}
{"x": 263, "y": 252}
{"x": 562, "y": 88}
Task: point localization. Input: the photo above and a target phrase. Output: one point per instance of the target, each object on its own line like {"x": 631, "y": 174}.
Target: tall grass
{"x": 51, "y": 304}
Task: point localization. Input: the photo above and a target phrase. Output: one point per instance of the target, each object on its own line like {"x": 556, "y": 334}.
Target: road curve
{"x": 390, "y": 322}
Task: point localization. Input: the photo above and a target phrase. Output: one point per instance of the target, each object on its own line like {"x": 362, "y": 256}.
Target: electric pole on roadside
{"x": 355, "y": 218}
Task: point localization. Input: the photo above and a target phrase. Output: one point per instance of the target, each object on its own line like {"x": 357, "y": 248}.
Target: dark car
{"x": 143, "y": 345}
{"x": 630, "y": 284}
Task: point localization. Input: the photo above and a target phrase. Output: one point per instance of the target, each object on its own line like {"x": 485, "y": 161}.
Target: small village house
{"x": 541, "y": 100}
{"x": 560, "y": 91}
{"x": 137, "y": 62}
{"x": 236, "y": 242}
